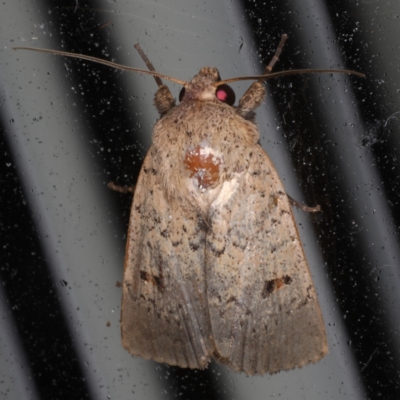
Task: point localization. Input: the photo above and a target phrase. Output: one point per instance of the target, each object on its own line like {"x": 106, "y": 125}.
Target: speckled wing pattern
{"x": 263, "y": 307}
{"x": 164, "y": 305}
{"x": 238, "y": 290}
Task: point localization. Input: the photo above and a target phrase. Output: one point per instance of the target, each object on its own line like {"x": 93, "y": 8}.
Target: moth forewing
{"x": 264, "y": 311}
{"x": 164, "y": 305}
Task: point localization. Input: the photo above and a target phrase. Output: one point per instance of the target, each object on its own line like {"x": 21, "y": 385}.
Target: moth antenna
{"x": 289, "y": 72}
{"x": 268, "y": 75}
{"x": 275, "y": 58}
{"x": 148, "y": 63}
{"x": 104, "y": 62}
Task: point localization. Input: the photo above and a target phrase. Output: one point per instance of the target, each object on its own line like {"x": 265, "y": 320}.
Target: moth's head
{"x": 203, "y": 87}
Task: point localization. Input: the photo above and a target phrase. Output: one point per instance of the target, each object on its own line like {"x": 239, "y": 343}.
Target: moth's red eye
{"x": 225, "y": 94}
{"x": 182, "y": 94}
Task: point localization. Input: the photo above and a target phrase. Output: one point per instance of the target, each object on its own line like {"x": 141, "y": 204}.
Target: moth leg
{"x": 163, "y": 99}
{"x": 303, "y": 207}
{"x": 121, "y": 189}
{"x": 256, "y": 92}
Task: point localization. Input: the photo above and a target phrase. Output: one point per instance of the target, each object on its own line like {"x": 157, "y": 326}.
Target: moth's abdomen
{"x": 203, "y": 165}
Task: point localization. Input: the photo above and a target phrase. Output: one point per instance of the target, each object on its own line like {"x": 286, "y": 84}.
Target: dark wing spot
{"x": 165, "y": 233}
{"x": 153, "y": 279}
{"x": 150, "y": 170}
{"x": 194, "y": 246}
{"x": 275, "y": 284}
{"x": 217, "y": 251}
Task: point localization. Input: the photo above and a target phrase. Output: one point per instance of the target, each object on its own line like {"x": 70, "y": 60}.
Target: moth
{"x": 214, "y": 267}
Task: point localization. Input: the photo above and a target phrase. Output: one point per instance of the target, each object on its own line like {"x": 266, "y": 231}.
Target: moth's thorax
{"x": 204, "y": 166}
{"x": 207, "y": 178}
{"x": 202, "y": 149}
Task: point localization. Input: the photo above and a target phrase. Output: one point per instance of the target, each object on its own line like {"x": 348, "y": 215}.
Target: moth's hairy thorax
{"x": 205, "y": 155}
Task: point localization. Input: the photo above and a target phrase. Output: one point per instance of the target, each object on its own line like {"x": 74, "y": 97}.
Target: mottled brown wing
{"x": 264, "y": 311}
{"x": 164, "y": 302}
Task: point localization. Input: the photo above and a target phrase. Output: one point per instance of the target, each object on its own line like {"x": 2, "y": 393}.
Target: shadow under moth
{"x": 214, "y": 267}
